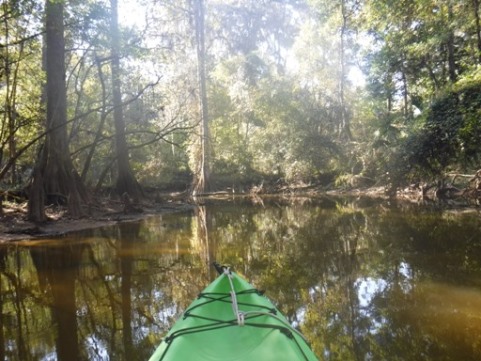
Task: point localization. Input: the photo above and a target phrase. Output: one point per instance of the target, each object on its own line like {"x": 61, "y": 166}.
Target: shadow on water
{"x": 361, "y": 280}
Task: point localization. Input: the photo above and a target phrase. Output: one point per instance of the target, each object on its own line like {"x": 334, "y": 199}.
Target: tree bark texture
{"x": 202, "y": 173}
{"x": 56, "y": 174}
{"x": 103, "y": 117}
{"x": 126, "y": 181}
{"x": 478, "y": 27}
{"x": 451, "y": 48}
{"x": 344, "y": 128}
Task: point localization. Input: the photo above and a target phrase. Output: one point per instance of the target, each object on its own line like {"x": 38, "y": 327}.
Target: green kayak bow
{"x": 232, "y": 321}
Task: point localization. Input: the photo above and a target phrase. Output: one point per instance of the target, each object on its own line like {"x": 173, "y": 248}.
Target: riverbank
{"x": 14, "y": 225}
{"x": 106, "y": 211}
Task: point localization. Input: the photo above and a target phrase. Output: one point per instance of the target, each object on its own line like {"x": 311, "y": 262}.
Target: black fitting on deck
{"x": 219, "y": 268}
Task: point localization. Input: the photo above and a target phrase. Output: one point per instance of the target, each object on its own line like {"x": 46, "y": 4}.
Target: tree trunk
{"x": 345, "y": 128}
{"x": 36, "y": 199}
{"x": 103, "y": 117}
{"x": 406, "y": 103}
{"x": 11, "y": 63}
{"x": 57, "y": 174}
{"x": 202, "y": 173}
{"x": 450, "y": 45}
{"x": 126, "y": 181}
{"x": 478, "y": 27}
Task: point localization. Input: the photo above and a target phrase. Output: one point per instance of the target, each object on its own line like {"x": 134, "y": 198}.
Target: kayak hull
{"x": 232, "y": 321}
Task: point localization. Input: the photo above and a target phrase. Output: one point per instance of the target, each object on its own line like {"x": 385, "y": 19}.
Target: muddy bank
{"x": 106, "y": 211}
{"x": 14, "y": 225}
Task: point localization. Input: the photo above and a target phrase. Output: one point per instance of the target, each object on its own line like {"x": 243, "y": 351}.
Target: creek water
{"x": 363, "y": 280}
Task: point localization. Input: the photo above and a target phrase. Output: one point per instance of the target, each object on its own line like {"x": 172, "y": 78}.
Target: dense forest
{"x": 202, "y": 95}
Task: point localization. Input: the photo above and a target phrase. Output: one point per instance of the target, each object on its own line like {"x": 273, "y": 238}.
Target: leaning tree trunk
{"x": 56, "y": 174}
{"x": 126, "y": 181}
{"x": 202, "y": 173}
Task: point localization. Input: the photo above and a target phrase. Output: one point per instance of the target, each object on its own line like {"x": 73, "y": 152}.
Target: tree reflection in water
{"x": 361, "y": 281}
{"x": 57, "y": 270}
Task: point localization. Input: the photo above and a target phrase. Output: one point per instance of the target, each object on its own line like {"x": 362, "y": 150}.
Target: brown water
{"x": 362, "y": 281}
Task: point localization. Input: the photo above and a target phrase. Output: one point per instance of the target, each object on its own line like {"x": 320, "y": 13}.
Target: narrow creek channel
{"x": 362, "y": 280}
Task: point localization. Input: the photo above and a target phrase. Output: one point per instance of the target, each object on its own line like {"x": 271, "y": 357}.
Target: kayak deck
{"x": 231, "y": 320}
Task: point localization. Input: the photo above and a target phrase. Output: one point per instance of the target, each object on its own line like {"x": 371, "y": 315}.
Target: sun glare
{"x": 131, "y": 13}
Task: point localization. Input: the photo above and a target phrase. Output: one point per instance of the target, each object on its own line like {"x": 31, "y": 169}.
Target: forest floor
{"x": 105, "y": 211}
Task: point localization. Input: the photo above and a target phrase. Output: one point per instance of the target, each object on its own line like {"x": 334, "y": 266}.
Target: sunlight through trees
{"x": 317, "y": 92}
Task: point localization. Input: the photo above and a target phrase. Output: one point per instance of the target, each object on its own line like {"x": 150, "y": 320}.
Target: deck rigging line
{"x": 240, "y": 318}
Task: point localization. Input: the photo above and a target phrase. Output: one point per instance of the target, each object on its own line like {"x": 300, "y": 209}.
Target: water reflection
{"x": 362, "y": 281}
{"x": 57, "y": 271}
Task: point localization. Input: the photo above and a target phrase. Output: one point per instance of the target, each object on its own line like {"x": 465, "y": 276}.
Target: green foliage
{"x": 421, "y": 59}
{"x": 21, "y": 77}
{"x": 278, "y": 84}
{"x": 450, "y": 135}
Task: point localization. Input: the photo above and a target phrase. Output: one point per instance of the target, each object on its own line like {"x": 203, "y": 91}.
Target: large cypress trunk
{"x": 55, "y": 174}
